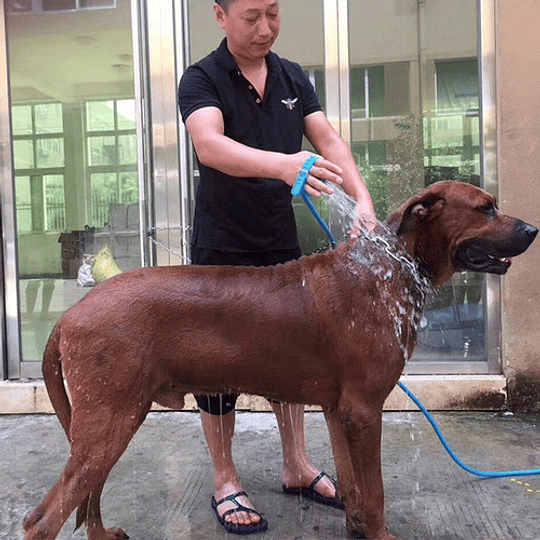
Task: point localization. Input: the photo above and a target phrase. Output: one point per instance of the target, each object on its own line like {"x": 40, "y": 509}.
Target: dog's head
{"x": 455, "y": 226}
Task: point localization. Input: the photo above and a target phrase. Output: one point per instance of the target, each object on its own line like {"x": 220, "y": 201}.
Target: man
{"x": 247, "y": 111}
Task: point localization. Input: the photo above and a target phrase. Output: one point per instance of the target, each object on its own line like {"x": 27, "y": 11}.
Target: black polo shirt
{"x": 247, "y": 214}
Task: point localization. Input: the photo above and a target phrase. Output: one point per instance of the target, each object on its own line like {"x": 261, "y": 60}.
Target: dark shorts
{"x": 225, "y": 403}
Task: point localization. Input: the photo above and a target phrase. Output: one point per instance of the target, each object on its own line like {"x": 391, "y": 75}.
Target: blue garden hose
{"x": 484, "y": 474}
{"x": 298, "y": 189}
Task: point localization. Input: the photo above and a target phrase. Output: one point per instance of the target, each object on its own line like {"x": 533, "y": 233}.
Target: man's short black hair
{"x": 224, "y": 3}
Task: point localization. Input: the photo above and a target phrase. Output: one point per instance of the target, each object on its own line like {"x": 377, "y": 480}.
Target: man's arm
{"x": 215, "y": 150}
{"x": 331, "y": 146}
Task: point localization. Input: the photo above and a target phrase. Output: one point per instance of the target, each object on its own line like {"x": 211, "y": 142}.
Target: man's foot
{"x": 237, "y": 518}
{"x": 323, "y": 490}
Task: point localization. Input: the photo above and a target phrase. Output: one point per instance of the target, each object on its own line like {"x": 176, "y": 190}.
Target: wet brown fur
{"x": 323, "y": 330}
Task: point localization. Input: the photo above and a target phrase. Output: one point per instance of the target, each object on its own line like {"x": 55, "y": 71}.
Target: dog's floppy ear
{"x": 420, "y": 210}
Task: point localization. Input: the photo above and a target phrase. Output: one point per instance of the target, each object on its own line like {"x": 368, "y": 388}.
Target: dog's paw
{"x": 111, "y": 534}
{"x": 356, "y": 529}
{"x": 117, "y": 534}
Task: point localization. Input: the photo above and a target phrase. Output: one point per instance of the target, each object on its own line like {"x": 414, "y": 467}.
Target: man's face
{"x": 251, "y": 27}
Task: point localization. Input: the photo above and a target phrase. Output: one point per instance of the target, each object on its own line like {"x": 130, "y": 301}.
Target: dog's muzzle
{"x": 494, "y": 256}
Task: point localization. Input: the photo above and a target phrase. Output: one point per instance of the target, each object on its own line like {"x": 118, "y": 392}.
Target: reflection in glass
{"x": 75, "y": 151}
{"x": 102, "y": 151}
{"x": 49, "y": 118}
{"x": 49, "y": 153}
{"x": 100, "y": 116}
{"x": 415, "y": 121}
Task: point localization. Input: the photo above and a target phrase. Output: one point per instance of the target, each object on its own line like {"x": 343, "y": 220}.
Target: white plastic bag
{"x": 84, "y": 275}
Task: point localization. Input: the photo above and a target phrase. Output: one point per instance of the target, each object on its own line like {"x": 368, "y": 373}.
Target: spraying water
{"x": 380, "y": 252}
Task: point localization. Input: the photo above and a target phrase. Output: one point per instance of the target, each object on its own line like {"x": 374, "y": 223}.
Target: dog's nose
{"x": 530, "y": 230}
{"x": 526, "y": 232}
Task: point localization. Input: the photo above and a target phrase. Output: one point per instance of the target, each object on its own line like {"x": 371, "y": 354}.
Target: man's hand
{"x": 323, "y": 171}
{"x": 365, "y": 220}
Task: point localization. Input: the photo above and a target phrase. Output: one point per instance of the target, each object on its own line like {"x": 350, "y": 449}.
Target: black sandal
{"x": 235, "y": 528}
{"x": 311, "y": 493}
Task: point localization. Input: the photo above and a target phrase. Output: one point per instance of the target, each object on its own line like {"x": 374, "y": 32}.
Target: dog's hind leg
{"x": 97, "y": 442}
{"x": 94, "y": 523}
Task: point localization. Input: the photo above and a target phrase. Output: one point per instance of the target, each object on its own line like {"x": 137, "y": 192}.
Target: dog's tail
{"x": 54, "y": 380}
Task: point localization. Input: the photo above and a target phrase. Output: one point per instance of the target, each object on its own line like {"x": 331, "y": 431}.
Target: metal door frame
{"x": 10, "y": 310}
{"x": 12, "y": 365}
{"x": 171, "y": 173}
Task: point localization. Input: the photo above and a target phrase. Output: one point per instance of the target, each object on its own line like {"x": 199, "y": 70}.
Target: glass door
{"x": 415, "y": 119}
{"x": 400, "y": 81}
{"x": 75, "y": 155}
{"x": 309, "y": 52}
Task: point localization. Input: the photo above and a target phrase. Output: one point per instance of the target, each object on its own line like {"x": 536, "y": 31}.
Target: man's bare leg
{"x": 298, "y": 471}
{"x": 219, "y": 431}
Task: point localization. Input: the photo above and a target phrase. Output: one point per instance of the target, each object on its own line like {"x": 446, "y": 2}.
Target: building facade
{"x": 95, "y": 161}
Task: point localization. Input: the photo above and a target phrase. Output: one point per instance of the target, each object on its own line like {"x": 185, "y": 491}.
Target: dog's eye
{"x": 488, "y": 209}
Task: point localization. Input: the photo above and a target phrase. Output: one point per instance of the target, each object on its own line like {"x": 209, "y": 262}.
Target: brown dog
{"x": 332, "y": 329}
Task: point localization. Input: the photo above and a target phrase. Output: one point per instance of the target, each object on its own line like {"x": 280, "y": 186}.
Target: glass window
{"x": 55, "y": 208}
{"x": 88, "y": 4}
{"x": 102, "y": 151}
{"x": 129, "y": 187}
{"x": 23, "y": 153}
{"x": 415, "y": 120}
{"x": 126, "y": 114}
{"x": 100, "y": 116}
{"x": 49, "y": 118}
{"x": 71, "y": 5}
{"x": 104, "y": 189}
{"x": 127, "y": 149}
{"x": 367, "y": 92}
{"x": 457, "y": 86}
{"x": 36, "y": 156}
{"x": 21, "y": 120}
{"x": 75, "y": 155}
{"x": 24, "y": 204}
{"x": 49, "y": 153}
{"x": 112, "y": 156}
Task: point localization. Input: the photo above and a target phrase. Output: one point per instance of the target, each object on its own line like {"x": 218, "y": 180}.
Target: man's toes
{"x": 254, "y": 519}
{"x": 326, "y": 488}
{"x": 243, "y": 518}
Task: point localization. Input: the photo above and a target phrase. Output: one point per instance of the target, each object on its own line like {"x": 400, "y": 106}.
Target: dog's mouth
{"x": 493, "y": 256}
{"x": 475, "y": 258}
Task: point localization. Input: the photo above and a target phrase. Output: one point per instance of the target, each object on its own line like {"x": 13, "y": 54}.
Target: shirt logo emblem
{"x": 289, "y": 103}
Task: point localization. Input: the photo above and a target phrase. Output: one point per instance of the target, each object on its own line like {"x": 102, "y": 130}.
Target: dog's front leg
{"x": 342, "y": 460}
{"x": 356, "y": 440}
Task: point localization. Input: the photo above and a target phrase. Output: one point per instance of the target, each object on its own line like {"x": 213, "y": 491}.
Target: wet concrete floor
{"x": 161, "y": 488}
